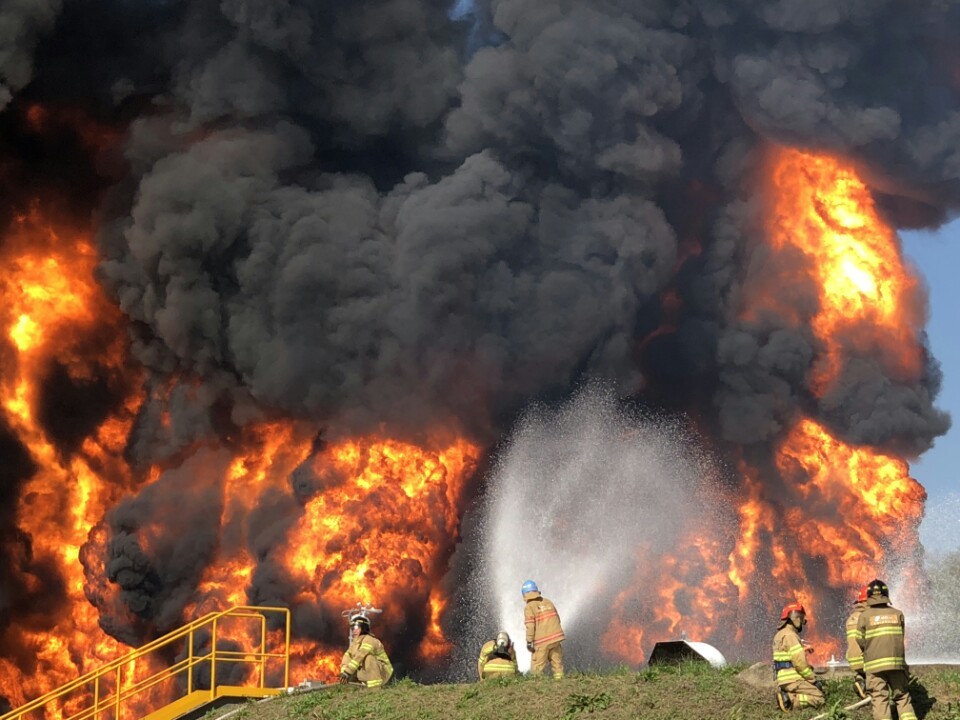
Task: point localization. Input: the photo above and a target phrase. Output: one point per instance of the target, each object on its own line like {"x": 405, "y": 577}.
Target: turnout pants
{"x": 804, "y": 694}
{"x": 372, "y": 672}
{"x": 887, "y": 689}
{"x": 553, "y": 654}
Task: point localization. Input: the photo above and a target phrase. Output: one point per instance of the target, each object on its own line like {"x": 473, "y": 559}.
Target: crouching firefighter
{"x": 797, "y": 685}
{"x": 497, "y": 658}
{"x": 365, "y": 661}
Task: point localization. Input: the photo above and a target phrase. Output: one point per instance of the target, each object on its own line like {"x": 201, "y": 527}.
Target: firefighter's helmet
{"x": 528, "y": 587}
{"x": 795, "y": 614}
{"x": 362, "y": 622}
{"x": 877, "y": 589}
{"x": 862, "y": 595}
{"x": 501, "y": 643}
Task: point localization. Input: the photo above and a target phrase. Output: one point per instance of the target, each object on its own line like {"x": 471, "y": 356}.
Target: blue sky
{"x": 937, "y": 256}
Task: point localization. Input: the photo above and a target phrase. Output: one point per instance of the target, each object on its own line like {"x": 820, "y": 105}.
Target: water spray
{"x": 579, "y": 496}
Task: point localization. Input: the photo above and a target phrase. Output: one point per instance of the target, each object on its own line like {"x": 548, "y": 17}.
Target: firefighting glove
{"x": 344, "y": 678}
{"x": 818, "y": 683}
{"x": 530, "y": 647}
{"x": 860, "y": 686}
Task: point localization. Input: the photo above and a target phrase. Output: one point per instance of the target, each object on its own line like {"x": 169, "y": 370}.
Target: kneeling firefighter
{"x": 797, "y": 685}
{"x": 365, "y": 661}
{"x": 497, "y": 658}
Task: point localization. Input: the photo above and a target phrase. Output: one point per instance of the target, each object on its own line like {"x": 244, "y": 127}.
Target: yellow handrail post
{"x": 96, "y": 697}
{"x": 116, "y": 693}
{"x": 286, "y": 652}
{"x": 263, "y": 650}
{"x": 190, "y": 663}
{"x": 213, "y": 660}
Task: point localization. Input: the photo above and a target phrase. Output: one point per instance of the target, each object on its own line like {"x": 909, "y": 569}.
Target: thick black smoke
{"x": 539, "y": 209}
{"x": 341, "y": 212}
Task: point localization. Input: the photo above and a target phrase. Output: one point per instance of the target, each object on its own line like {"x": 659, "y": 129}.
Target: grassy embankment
{"x": 693, "y": 691}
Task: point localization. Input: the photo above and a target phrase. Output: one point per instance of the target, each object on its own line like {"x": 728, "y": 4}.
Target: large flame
{"x": 380, "y": 532}
{"x": 818, "y": 516}
{"x": 382, "y": 516}
{"x": 53, "y": 316}
{"x": 868, "y": 299}
{"x": 379, "y": 529}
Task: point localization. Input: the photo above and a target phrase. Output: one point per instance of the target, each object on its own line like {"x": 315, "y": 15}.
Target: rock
{"x": 758, "y": 675}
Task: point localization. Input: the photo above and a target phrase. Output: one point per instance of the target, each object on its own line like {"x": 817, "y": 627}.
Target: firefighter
{"x": 365, "y": 661}
{"x": 797, "y": 685}
{"x": 854, "y": 653}
{"x": 544, "y": 635}
{"x": 880, "y": 636}
{"x": 497, "y": 658}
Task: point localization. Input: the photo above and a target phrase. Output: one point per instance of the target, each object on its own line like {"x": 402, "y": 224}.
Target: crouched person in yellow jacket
{"x": 544, "y": 635}
{"x": 365, "y": 661}
{"x": 797, "y": 684}
{"x": 497, "y": 658}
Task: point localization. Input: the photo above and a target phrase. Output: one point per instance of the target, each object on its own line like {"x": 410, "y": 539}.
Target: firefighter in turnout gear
{"x": 854, "y": 653}
{"x": 880, "y": 635}
{"x": 365, "y": 661}
{"x": 797, "y": 685}
{"x": 544, "y": 635}
{"x": 497, "y": 658}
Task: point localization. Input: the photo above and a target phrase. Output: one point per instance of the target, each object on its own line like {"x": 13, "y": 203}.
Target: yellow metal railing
{"x": 113, "y": 691}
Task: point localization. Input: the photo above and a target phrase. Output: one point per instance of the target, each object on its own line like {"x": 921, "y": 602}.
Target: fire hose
{"x": 859, "y": 704}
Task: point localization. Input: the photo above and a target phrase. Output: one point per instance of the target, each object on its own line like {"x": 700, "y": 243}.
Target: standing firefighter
{"x": 544, "y": 635}
{"x": 797, "y": 685}
{"x": 880, "y": 634}
{"x": 854, "y": 653}
{"x": 497, "y": 658}
{"x": 365, "y": 661}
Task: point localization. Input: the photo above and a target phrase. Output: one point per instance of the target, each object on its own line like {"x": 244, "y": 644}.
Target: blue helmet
{"x": 529, "y": 586}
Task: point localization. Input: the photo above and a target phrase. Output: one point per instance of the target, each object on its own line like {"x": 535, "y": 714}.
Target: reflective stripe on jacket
{"x": 854, "y": 651}
{"x": 788, "y": 649}
{"x": 360, "y": 648}
{"x": 880, "y": 634}
{"x": 542, "y": 620}
{"x": 490, "y": 665}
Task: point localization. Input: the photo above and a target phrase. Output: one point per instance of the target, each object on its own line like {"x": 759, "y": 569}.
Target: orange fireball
{"x": 380, "y": 530}
{"x": 868, "y": 299}
{"x": 57, "y": 322}
{"x": 816, "y": 516}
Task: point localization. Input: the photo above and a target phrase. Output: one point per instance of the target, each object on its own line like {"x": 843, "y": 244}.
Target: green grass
{"x": 660, "y": 693}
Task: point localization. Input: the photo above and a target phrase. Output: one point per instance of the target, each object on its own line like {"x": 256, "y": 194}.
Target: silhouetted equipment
{"x": 673, "y": 652}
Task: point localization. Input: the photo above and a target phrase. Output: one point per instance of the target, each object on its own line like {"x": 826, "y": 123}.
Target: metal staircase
{"x": 122, "y": 691}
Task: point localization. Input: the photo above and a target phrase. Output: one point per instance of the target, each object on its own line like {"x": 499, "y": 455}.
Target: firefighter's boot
{"x": 783, "y": 700}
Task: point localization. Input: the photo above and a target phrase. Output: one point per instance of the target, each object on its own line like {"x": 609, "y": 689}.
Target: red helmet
{"x": 862, "y": 595}
{"x": 792, "y": 607}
